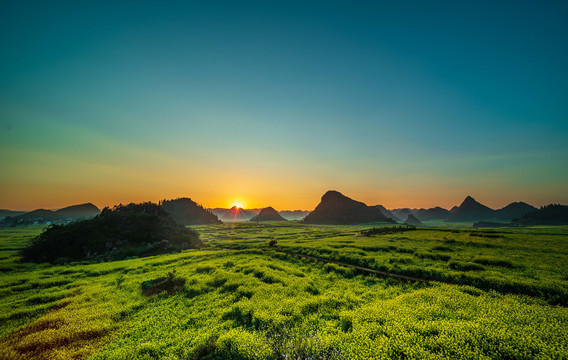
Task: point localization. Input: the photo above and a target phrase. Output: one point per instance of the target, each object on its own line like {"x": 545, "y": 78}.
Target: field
{"x": 295, "y": 291}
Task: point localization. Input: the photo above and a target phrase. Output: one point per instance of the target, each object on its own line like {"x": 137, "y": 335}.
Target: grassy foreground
{"x": 490, "y": 295}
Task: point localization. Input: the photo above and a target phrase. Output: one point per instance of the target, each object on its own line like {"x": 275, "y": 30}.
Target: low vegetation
{"x": 169, "y": 284}
{"x": 387, "y": 230}
{"x": 241, "y": 298}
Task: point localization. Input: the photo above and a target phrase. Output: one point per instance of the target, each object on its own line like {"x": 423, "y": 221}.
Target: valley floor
{"x": 482, "y": 294}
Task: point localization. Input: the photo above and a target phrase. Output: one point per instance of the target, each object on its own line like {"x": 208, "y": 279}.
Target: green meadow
{"x": 294, "y": 291}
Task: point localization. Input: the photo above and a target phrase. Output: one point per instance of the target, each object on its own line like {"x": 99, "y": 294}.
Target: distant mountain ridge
{"x": 294, "y": 214}
{"x": 470, "y": 210}
{"x": 268, "y": 214}
{"x": 436, "y": 213}
{"x": 515, "y": 210}
{"x": 336, "y": 208}
{"x": 412, "y": 220}
{"x": 401, "y": 213}
{"x": 233, "y": 214}
{"x": 69, "y": 213}
{"x": 387, "y": 213}
{"x": 11, "y": 213}
{"x": 186, "y": 211}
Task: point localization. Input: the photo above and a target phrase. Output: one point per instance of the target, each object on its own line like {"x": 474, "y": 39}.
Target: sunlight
{"x": 238, "y": 204}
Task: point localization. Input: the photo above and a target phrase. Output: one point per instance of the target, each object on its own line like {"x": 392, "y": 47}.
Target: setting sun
{"x": 238, "y": 204}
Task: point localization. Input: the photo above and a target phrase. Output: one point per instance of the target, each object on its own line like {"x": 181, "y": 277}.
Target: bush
{"x": 346, "y": 324}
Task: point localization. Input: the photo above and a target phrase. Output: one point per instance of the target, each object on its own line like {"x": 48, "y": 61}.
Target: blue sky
{"x": 406, "y": 103}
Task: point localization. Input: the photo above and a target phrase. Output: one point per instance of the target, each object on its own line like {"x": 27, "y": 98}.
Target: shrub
{"x": 207, "y": 349}
{"x": 346, "y": 324}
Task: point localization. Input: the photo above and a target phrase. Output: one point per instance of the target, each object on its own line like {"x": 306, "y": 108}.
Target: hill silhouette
{"x": 412, "y": 220}
{"x": 436, "y": 213}
{"x": 11, "y": 213}
{"x": 336, "y": 208}
{"x": 187, "y": 212}
{"x": 294, "y": 214}
{"x": 37, "y": 214}
{"x": 126, "y": 230}
{"x": 387, "y": 213}
{"x": 66, "y": 214}
{"x": 268, "y": 214}
{"x": 401, "y": 213}
{"x": 233, "y": 214}
{"x": 471, "y": 211}
{"x": 87, "y": 210}
{"x": 553, "y": 214}
{"x": 514, "y": 210}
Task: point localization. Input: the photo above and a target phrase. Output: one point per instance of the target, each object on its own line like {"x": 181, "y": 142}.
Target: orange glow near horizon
{"x": 107, "y": 171}
{"x": 238, "y": 204}
{"x": 24, "y": 199}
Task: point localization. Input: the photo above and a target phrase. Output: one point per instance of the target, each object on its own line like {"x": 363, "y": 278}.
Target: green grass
{"x": 498, "y": 297}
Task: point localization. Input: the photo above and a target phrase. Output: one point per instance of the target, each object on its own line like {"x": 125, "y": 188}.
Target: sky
{"x": 272, "y": 103}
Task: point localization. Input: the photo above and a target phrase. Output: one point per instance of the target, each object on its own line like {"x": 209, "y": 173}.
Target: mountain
{"x": 387, "y": 213}
{"x": 453, "y": 210}
{"x": 436, "y": 213}
{"x": 514, "y": 211}
{"x": 233, "y": 214}
{"x": 401, "y": 213}
{"x": 219, "y": 212}
{"x": 36, "y": 215}
{"x": 11, "y": 213}
{"x": 336, "y": 208}
{"x": 552, "y": 214}
{"x": 294, "y": 214}
{"x": 87, "y": 210}
{"x": 187, "y": 212}
{"x": 412, "y": 220}
{"x": 268, "y": 214}
{"x": 66, "y": 214}
{"x": 471, "y": 211}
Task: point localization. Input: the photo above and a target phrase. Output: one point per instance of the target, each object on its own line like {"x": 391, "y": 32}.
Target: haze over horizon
{"x": 406, "y": 104}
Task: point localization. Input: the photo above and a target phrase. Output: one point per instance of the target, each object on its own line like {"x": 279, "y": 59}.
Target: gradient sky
{"x": 400, "y": 103}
